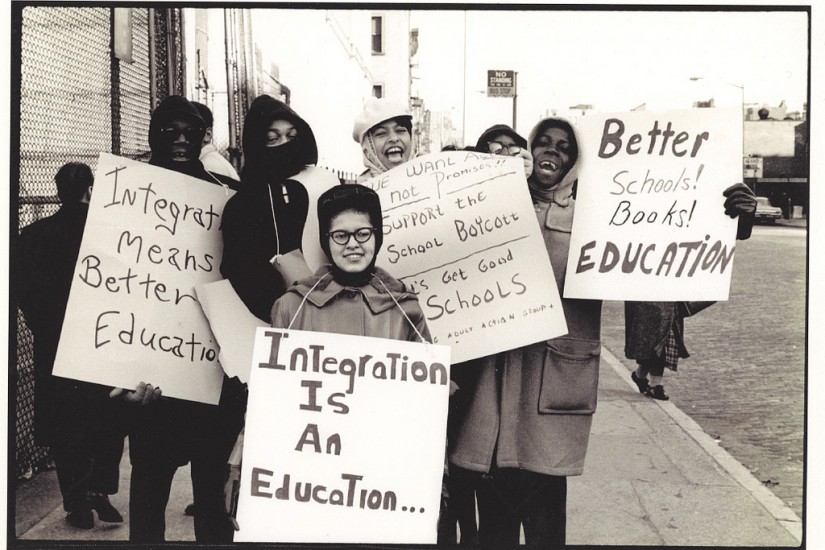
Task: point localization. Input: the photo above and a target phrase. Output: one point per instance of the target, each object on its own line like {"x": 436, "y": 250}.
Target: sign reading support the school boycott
{"x": 461, "y": 231}
{"x": 151, "y": 235}
{"x": 650, "y": 221}
{"x": 344, "y": 441}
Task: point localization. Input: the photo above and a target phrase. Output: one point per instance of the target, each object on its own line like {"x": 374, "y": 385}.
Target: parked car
{"x": 765, "y": 213}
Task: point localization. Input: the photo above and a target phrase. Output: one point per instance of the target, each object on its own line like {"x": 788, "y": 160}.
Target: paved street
{"x": 744, "y": 381}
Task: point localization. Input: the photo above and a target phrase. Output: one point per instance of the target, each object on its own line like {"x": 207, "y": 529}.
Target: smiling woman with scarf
{"x": 266, "y": 217}
{"x": 384, "y": 131}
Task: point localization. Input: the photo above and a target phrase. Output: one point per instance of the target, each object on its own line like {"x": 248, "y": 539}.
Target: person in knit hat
{"x": 384, "y": 131}
{"x": 500, "y": 139}
{"x": 169, "y": 433}
{"x": 350, "y": 295}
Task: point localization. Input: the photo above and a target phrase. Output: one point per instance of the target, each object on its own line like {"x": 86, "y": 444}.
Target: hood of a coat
{"x": 498, "y": 129}
{"x": 285, "y": 160}
{"x": 375, "y": 295}
{"x": 563, "y": 191}
{"x": 174, "y": 107}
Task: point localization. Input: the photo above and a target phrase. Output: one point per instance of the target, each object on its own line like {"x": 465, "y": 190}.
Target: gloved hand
{"x": 231, "y": 491}
{"x": 741, "y": 202}
{"x": 527, "y": 157}
{"x": 143, "y": 394}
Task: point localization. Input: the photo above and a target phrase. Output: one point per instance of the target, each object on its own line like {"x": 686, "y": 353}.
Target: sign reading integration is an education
{"x": 650, "y": 222}
{"x": 344, "y": 441}
{"x": 151, "y": 235}
{"x": 461, "y": 231}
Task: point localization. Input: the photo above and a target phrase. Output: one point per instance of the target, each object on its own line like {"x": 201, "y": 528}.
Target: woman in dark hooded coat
{"x": 267, "y": 217}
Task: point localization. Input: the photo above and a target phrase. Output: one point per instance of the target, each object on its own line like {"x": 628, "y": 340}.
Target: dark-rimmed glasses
{"x": 361, "y": 235}
{"x": 496, "y": 146}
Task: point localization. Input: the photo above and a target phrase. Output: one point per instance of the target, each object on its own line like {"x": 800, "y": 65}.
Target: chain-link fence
{"x": 76, "y": 101}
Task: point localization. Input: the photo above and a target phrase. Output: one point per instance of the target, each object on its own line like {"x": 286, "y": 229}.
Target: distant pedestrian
{"x": 654, "y": 337}
{"x": 211, "y": 159}
{"x": 655, "y": 331}
{"x": 84, "y": 429}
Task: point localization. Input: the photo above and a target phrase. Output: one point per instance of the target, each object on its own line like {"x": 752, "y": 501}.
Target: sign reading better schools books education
{"x": 649, "y": 221}
{"x": 344, "y": 441}
{"x": 151, "y": 235}
{"x": 460, "y": 230}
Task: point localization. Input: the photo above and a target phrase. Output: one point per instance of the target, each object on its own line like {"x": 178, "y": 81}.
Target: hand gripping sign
{"x": 650, "y": 221}
{"x": 461, "y": 231}
{"x": 151, "y": 235}
{"x": 344, "y": 441}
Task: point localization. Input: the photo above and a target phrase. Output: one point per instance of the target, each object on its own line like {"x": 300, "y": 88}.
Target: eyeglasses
{"x": 496, "y": 146}
{"x": 361, "y": 235}
{"x": 191, "y": 133}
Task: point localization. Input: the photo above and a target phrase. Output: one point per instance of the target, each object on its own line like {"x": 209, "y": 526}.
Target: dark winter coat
{"x": 175, "y": 426}
{"x": 47, "y": 251}
{"x": 268, "y": 215}
{"x": 647, "y": 325}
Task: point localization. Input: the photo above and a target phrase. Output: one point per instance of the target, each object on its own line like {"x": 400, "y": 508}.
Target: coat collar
{"x": 321, "y": 288}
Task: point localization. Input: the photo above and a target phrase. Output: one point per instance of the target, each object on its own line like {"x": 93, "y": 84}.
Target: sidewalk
{"x": 652, "y": 478}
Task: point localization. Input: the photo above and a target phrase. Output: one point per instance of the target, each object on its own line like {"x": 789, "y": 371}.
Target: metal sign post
{"x": 503, "y": 84}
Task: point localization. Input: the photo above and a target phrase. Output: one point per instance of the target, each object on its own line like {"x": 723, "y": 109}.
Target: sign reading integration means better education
{"x": 650, "y": 221}
{"x": 344, "y": 441}
{"x": 461, "y": 231}
{"x": 151, "y": 235}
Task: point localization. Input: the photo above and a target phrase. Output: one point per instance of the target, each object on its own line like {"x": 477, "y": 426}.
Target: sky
{"x": 612, "y": 60}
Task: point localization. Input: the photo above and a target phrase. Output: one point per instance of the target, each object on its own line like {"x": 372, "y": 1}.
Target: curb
{"x": 772, "y": 503}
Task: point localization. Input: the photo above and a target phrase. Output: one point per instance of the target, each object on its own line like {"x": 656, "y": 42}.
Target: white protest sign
{"x": 344, "y": 441}
{"x": 461, "y": 231}
{"x": 151, "y": 235}
{"x": 650, "y": 221}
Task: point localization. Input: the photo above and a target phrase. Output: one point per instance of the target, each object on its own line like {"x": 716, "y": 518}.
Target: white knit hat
{"x": 377, "y": 110}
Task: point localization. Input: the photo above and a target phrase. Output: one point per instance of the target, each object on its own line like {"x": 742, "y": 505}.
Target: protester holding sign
{"x": 168, "y": 433}
{"x": 521, "y": 453}
{"x": 84, "y": 429}
{"x": 384, "y": 131}
{"x": 266, "y": 218}
{"x": 350, "y": 295}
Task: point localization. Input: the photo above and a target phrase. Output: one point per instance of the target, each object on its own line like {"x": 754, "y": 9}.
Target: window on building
{"x": 377, "y": 34}
{"x": 378, "y": 90}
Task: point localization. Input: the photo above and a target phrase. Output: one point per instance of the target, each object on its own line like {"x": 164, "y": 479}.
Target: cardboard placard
{"x": 151, "y": 235}
{"x": 344, "y": 441}
{"x": 461, "y": 231}
{"x": 649, "y": 221}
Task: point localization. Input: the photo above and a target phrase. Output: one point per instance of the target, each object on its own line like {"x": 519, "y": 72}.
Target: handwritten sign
{"x": 460, "y": 230}
{"x": 343, "y": 445}
{"x": 650, "y": 221}
{"x": 151, "y": 235}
